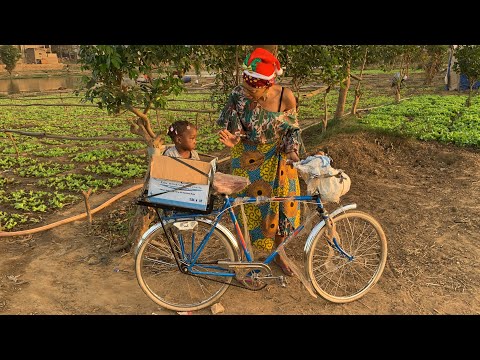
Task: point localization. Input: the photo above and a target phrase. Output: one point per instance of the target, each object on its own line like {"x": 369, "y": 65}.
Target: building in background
{"x": 37, "y": 54}
{"x": 66, "y": 53}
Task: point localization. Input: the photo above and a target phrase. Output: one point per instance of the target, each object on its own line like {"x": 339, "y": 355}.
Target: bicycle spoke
{"x": 338, "y": 278}
{"x": 166, "y": 284}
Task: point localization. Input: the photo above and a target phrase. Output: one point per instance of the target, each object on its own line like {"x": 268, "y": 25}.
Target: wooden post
{"x": 13, "y": 141}
{"x": 86, "y": 195}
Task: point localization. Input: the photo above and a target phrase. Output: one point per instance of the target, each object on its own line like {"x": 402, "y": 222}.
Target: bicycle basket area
{"x": 322, "y": 179}
{"x": 182, "y": 183}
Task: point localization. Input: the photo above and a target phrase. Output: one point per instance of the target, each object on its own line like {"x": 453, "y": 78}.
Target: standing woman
{"x": 261, "y": 128}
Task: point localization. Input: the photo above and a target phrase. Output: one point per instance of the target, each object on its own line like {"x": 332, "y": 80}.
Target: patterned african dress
{"x": 261, "y": 157}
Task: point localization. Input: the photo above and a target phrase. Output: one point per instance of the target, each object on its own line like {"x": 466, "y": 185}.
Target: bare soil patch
{"x": 424, "y": 194}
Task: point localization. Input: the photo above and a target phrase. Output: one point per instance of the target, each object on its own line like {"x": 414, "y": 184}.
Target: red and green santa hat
{"x": 261, "y": 64}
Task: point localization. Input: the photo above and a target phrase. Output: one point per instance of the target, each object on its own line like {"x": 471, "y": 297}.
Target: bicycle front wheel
{"x": 342, "y": 278}
{"x": 158, "y": 271}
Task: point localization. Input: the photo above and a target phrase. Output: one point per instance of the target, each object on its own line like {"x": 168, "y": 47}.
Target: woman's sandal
{"x": 285, "y": 268}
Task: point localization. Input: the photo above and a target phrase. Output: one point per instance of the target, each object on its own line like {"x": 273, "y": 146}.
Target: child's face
{"x": 187, "y": 140}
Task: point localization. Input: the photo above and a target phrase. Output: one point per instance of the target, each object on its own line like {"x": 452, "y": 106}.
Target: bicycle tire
{"x": 161, "y": 279}
{"x": 333, "y": 276}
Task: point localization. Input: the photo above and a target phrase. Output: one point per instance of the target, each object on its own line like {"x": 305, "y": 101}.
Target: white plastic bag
{"x": 322, "y": 179}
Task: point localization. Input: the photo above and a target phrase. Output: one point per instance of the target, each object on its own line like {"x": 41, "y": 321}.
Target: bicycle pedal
{"x": 283, "y": 281}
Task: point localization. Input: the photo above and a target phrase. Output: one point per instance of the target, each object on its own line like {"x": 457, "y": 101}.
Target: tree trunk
{"x": 237, "y": 67}
{"x": 397, "y": 94}
{"x": 356, "y": 100}
{"x": 138, "y": 225}
{"x": 431, "y": 68}
{"x": 325, "y": 114}
{"x": 342, "y": 95}
{"x": 143, "y": 215}
{"x": 469, "y": 99}
{"x": 358, "y": 93}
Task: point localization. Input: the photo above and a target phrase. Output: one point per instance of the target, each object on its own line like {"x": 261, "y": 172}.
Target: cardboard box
{"x": 181, "y": 183}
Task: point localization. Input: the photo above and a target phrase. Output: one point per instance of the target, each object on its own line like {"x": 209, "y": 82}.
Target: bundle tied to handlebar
{"x": 322, "y": 179}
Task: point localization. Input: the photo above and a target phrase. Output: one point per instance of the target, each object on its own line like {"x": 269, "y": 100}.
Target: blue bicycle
{"x": 188, "y": 259}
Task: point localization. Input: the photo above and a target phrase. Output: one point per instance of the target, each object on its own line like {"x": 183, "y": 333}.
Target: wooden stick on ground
{"x": 86, "y": 195}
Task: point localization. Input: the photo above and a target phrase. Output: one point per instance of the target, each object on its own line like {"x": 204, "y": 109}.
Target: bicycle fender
{"x": 321, "y": 224}
{"x": 220, "y": 227}
{"x": 150, "y": 230}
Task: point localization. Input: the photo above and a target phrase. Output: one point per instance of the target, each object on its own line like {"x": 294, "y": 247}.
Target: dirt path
{"x": 425, "y": 195}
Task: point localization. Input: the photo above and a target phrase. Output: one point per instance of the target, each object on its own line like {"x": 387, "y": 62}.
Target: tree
{"x": 302, "y": 63}
{"x": 226, "y": 62}
{"x": 358, "y": 92}
{"x": 112, "y": 85}
{"x": 66, "y": 51}
{"x": 347, "y": 56}
{"x": 10, "y": 55}
{"x": 400, "y": 56}
{"x": 432, "y": 59}
{"x": 468, "y": 63}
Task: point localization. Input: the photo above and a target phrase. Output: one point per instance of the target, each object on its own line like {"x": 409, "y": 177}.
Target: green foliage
{"x": 468, "y": 63}
{"x": 116, "y": 68}
{"x": 77, "y": 182}
{"x": 429, "y": 117}
{"x": 96, "y": 155}
{"x": 9, "y": 221}
{"x": 304, "y": 63}
{"x": 39, "y": 201}
{"x": 432, "y": 59}
{"x": 43, "y": 169}
{"x": 5, "y": 181}
{"x": 7, "y": 162}
{"x": 56, "y": 152}
{"x": 9, "y": 55}
{"x": 225, "y": 62}
{"x": 121, "y": 170}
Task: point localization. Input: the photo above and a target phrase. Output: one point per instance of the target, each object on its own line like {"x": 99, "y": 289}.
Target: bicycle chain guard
{"x": 250, "y": 275}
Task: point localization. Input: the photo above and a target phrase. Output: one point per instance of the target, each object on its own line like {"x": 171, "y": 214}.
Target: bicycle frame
{"x": 218, "y": 213}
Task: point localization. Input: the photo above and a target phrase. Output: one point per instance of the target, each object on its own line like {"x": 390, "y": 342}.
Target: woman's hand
{"x": 227, "y": 138}
{"x": 293, "y": 156}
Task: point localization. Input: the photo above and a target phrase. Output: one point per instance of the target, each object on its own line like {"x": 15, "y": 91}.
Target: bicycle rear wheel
{"x": 337, "y": 278}
{"x": 158, "y": 273}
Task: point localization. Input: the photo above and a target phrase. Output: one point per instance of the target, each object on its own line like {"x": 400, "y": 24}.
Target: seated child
{"x": 184, "y": 135}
